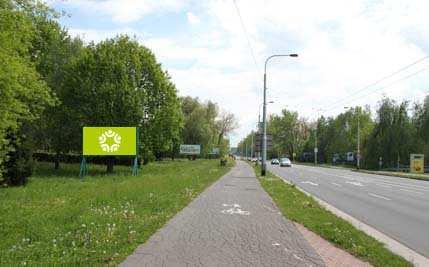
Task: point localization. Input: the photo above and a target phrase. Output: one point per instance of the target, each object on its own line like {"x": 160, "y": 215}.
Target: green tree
{"x": 393, "y": 137}
{"x": 23, "y": 94}
{"x": 118, "y": 82}
{"x": 289, "y": 133}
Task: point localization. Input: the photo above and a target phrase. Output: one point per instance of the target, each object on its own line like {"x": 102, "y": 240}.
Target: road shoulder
{"x": 303, "y": 208}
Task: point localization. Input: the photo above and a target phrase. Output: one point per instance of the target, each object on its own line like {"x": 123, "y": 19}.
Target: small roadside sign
{"x": 215, "y": 151}
{"x": 316, "y": 150}
{"x": 417, "y": 163}
{"x": 190, "y": 149}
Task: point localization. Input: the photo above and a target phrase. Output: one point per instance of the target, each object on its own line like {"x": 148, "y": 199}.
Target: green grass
{"x": 298, "y": 207}
{"x": 57, "y": 219}
{"x": 416, "y": 176}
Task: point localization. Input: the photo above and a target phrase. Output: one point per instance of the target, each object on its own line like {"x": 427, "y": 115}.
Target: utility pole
{"x": 316, "y": 149}
{"x": 358, "y": 138}
{"x": 264, "y": 114}
{"x": 251, "y": 148}
{"x": 315, "y": 146}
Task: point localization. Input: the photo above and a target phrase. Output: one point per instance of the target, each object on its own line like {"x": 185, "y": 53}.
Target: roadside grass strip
{"x": 298, "y": 207}
{"x": 58, "y": 219}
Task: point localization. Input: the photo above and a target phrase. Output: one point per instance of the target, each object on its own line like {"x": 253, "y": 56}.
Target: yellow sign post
{"x": 417, "y": 163}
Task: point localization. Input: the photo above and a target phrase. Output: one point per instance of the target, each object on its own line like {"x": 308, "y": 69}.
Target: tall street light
{"x": 264, "y": 114}
{"x": 259, "y": 114}
{"x": 358, "y": 136}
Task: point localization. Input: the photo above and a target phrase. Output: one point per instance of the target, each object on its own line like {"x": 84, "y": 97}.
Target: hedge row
{"x": 76, "y": 158}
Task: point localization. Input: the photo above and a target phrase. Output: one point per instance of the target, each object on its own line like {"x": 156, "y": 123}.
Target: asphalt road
{"x": 234, "y": 222}
{"x": 396, "y": 206}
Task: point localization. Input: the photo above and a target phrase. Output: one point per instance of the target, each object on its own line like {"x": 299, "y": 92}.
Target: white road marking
{"x": 355, "y": 183}
{"x": 336, "y": 184}
{"x": 234, "y": 210}
{"x": 378, "y": 196}
{"x": 383, "y": 185}
{"x": 414, "y": 192}
{"x": 408, "y": 186}
{"x": 276, "y": 244}
{"x": 308, "y": 182}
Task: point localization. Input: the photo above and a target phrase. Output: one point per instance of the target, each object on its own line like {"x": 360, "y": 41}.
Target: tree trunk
{"x": 110, "y": 164}
{"x": 57, "y": 161}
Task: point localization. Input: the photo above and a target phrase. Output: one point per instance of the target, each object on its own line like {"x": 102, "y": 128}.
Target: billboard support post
{"x": 83, "y": 168}
{"x": 136, "y": 158}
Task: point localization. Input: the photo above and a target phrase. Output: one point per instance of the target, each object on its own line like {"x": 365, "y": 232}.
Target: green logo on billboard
{"x": 106, "y": 141}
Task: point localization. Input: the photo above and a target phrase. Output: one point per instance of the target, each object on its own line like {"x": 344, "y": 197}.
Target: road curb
{"x": 417, "y": 259}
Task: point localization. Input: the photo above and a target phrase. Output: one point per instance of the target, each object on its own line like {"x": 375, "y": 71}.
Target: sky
{"x": 344, "y": 48}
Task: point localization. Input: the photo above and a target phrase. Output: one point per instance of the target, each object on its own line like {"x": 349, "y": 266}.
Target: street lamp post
{"x": 264, "y": 114}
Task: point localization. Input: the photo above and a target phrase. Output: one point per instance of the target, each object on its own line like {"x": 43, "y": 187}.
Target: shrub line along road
{"x": 232, "y": 223}
{"x": 395, "y": 206}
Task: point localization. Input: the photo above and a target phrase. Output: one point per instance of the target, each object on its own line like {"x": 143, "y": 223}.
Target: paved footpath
{"x": 232, "y": 223}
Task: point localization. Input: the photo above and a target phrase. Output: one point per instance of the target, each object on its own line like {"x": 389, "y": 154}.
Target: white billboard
{"x": 190, "y": 149}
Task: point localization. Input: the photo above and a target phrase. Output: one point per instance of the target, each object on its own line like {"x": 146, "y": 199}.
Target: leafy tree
{"x": 118, "y": 82}
{"x": 289, "y": 133}
{"x": 393, "y": 137}
{"x": 205, "y": 126}
{"x": 23, "y": 94}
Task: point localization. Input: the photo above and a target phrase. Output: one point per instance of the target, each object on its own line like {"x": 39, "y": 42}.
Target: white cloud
{"x": 125, "y": 11}
{"x": 192, "y": 18}
{"x": 343, "y": 46}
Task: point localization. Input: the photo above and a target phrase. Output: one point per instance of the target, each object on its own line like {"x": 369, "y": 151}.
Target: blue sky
{"x": 343, "y": 46}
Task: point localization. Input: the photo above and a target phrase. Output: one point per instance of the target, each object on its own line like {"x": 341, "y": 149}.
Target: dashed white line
{"x": 415, "y": 192}
{"x": 378, "y": 196}
{"x": 336, "y": 184}
{"x": 355, "y": 183}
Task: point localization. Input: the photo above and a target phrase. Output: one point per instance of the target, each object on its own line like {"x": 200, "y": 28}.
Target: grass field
{"x": 57, "y": 219}
{"x": 298, "y": 207}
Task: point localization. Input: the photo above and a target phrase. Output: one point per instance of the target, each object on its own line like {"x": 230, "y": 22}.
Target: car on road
{"x": 275, "y": 162}
{"x": 285, "y": 162}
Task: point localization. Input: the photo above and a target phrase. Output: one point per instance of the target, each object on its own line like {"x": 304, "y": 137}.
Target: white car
{"x": 285, "y": 162}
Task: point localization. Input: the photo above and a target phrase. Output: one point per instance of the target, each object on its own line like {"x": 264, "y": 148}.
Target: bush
{"x": 44, "y": 156}
{"x": 19, "y": 164}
